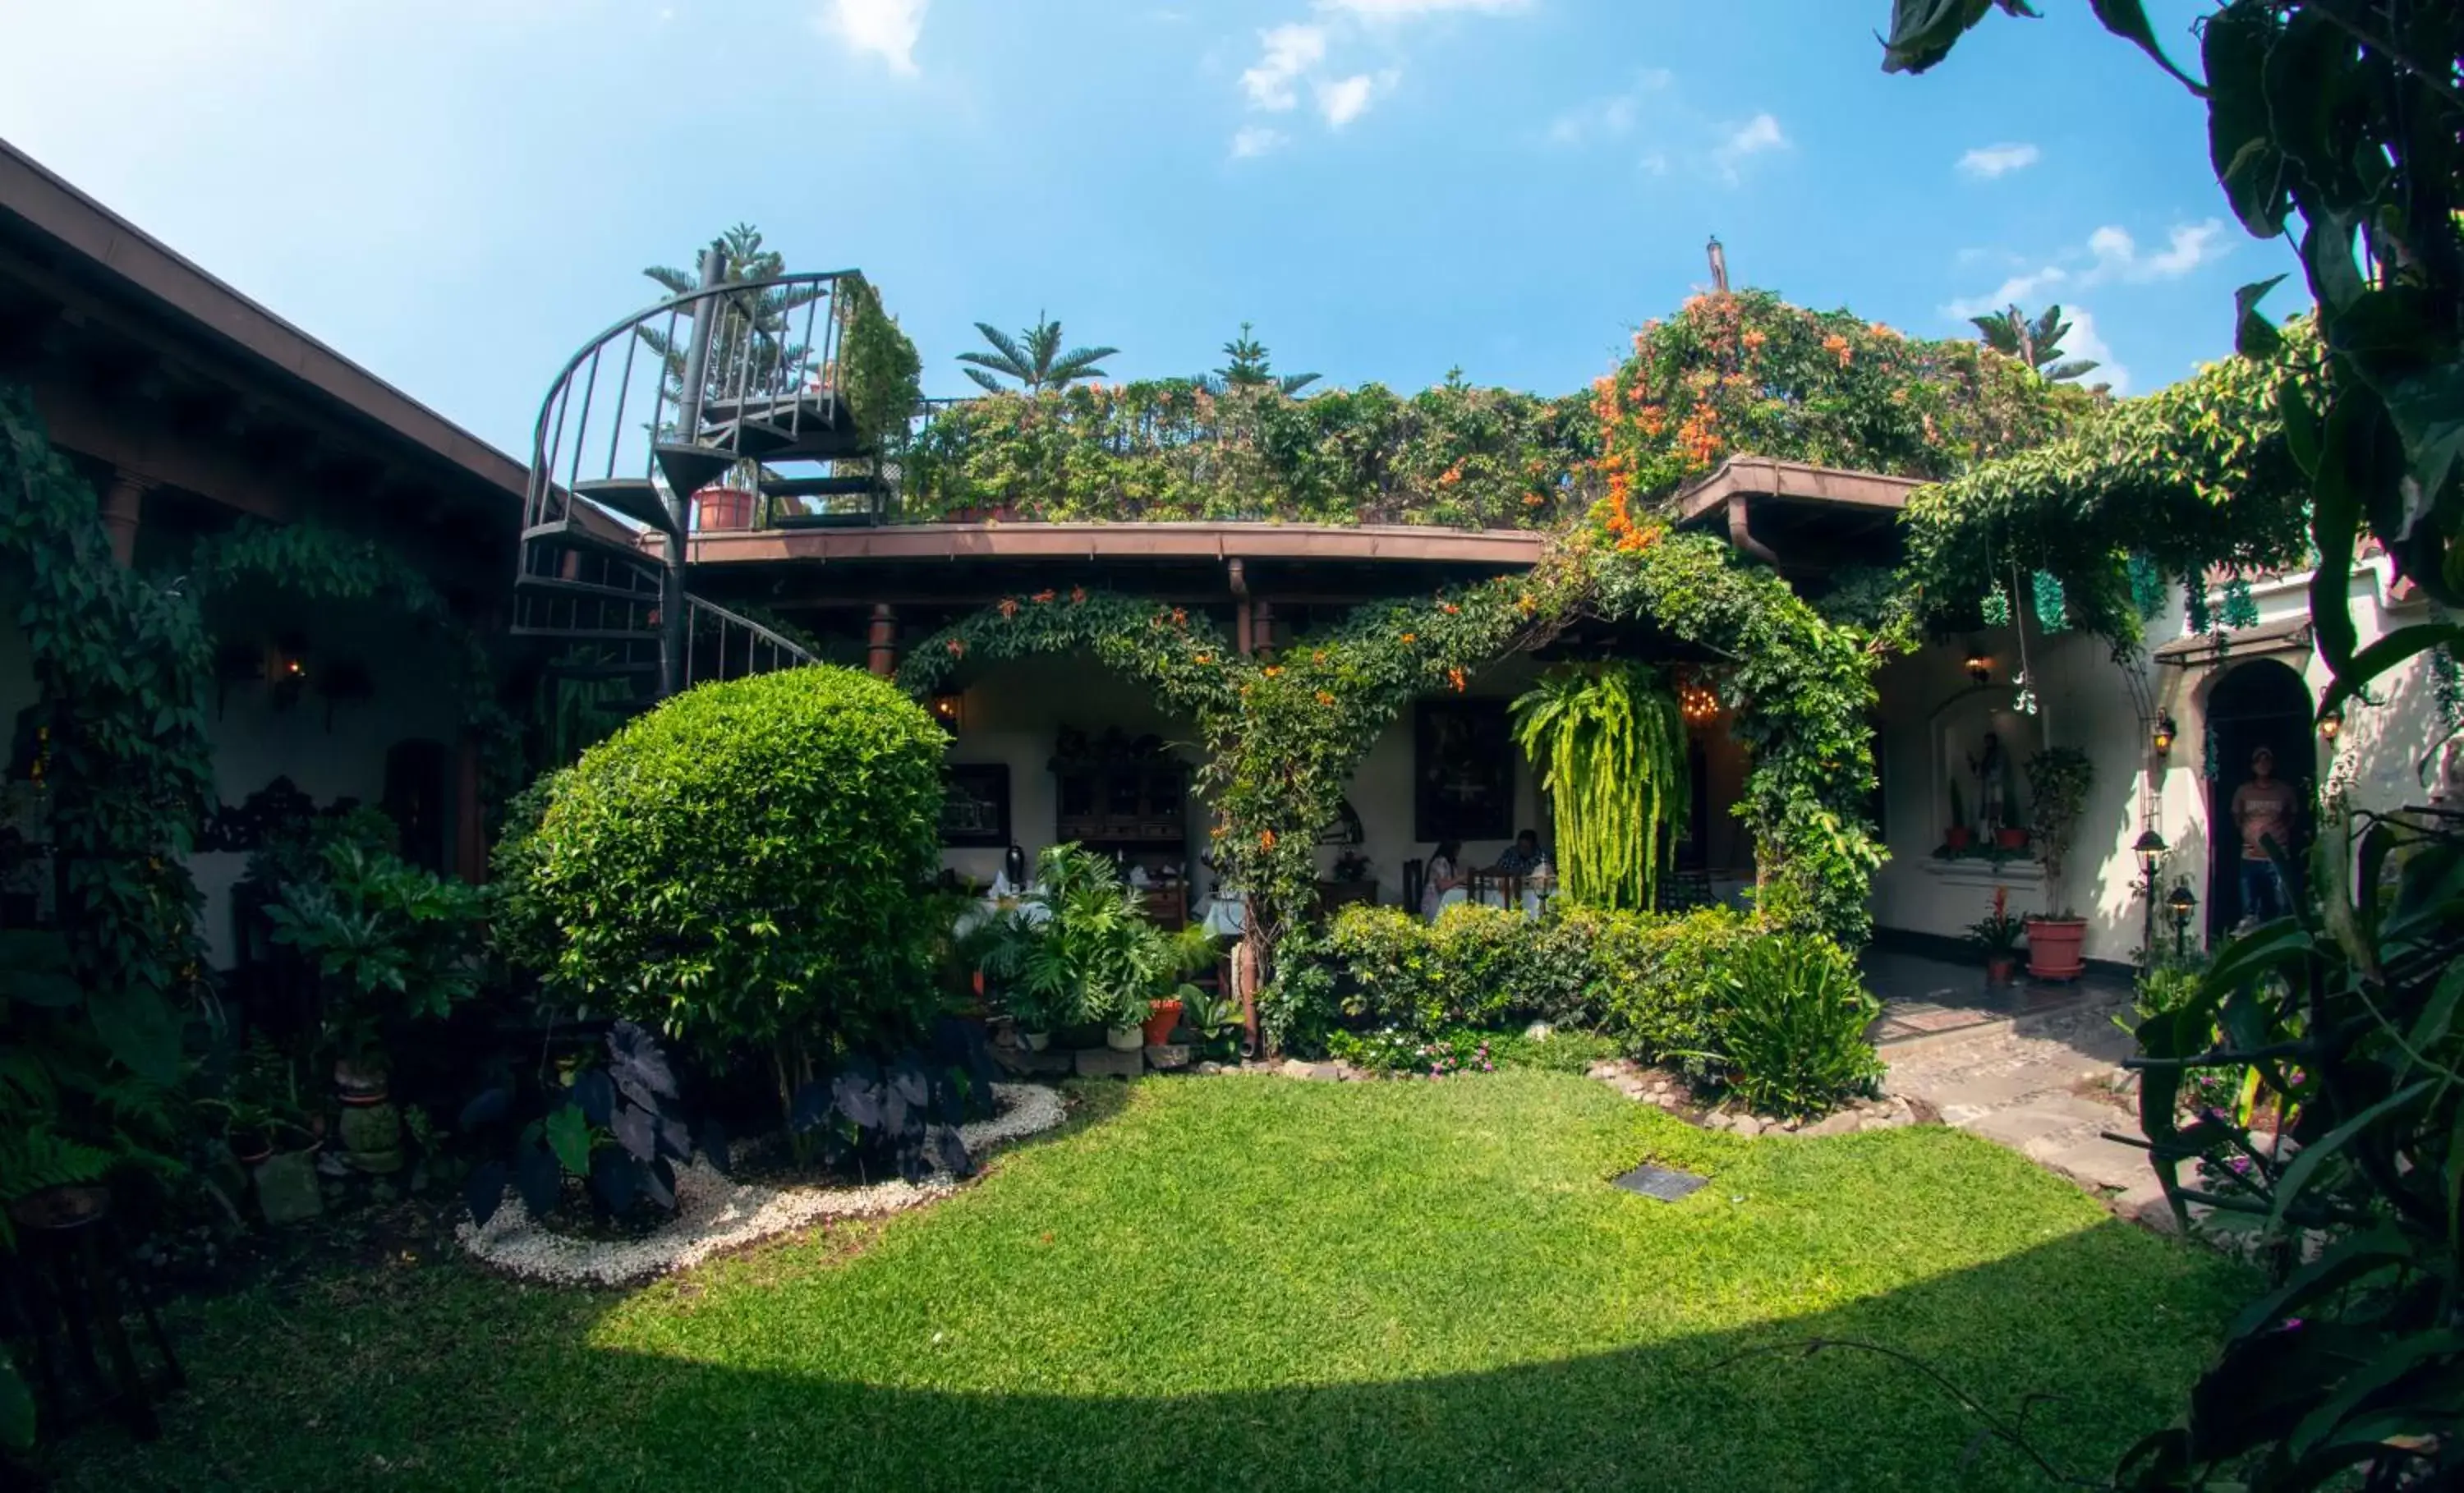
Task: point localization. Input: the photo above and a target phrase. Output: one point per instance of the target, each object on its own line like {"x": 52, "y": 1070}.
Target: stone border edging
{"x": 714, "y": 1214}
{"x": 1652, "y": 1087}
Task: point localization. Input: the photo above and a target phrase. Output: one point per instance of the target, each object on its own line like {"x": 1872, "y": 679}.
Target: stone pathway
{"x": 2048, "y": 1087}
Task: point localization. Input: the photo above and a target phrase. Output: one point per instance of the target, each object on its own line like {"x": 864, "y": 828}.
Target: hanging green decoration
{"x": 1610, "y": 742}
{"x": 2051, "y": 608}
{"x": 2146, "y": 588}
{"x": 2239, "y": 609}
{"x": 1998, "y": 608}
{"x": 2195, "y": 609}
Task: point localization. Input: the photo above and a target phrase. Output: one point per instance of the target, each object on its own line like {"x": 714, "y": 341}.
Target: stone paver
{"x": 2045, "y": 1089}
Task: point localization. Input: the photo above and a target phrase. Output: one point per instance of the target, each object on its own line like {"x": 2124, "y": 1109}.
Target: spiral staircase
{"x": 730, "y": 390}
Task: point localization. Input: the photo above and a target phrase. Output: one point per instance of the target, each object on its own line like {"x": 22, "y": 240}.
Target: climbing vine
{"x": 1283, "y": 731}
{"x": 2194, "y": 477}
{"x": 120, "y": 664}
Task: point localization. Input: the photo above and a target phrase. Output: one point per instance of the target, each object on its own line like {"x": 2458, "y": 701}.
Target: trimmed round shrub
{"x": 747, "y": 867}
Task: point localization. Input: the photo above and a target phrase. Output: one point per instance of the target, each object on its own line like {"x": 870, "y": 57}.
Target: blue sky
{"x": 458, "y": 192}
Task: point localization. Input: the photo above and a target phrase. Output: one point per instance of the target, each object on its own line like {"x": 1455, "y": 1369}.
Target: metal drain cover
{"x": 1660, "y": 1182}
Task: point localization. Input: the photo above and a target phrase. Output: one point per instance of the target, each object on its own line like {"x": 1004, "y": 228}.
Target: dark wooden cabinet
{"x": 1121, "y": 806}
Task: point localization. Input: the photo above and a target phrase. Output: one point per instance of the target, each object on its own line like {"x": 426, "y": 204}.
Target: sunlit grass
{"x": 1261, "y": 1283}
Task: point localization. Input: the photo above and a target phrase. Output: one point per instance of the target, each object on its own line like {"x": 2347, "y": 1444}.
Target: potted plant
{"x": 1997, "y": 935}
{"x": 719, "y": 506}
{"x": 1163, "y": 1016}
{"x": 2059, "y": 779}
{"x": 1087, "y": 954}
{"x": 1958, "y": 835}
{"x": 1214, "y": 1018}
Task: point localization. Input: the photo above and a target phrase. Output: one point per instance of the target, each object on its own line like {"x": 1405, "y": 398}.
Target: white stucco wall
{"x": 1933, "y": 714}
{"x": 254, "y": 741}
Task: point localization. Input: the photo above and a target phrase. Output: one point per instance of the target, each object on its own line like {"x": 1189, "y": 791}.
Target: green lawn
{"x": 1251, "y": 1282}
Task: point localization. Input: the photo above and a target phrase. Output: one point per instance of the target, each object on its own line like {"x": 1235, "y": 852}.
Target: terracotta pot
{"x": 1958, "y": 836}
{"x": 250, "y": 1149}
{"x": 1166, "y": 1015}
{"x": 2053, "y": 946}
{"x": 721, "y": 507}
{"x": 2007, "y": 839}
{"x": 2001, "y": 970}
{"x": 1125, "y": 1039}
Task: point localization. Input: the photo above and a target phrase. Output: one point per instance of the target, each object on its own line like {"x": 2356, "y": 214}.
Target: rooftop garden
{"x": 1743, "y": 373}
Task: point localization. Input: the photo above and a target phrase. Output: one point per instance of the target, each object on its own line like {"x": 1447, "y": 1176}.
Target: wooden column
{"x": 123, "y": 506}
{"x": 470, "y": 830}
{"x": 881, "y": 641}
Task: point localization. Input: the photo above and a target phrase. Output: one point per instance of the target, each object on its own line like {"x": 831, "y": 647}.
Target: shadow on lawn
{"x": 535, "y": 1405}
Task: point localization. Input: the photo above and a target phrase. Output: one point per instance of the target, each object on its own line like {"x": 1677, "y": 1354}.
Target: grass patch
{"x": 1254, "y": 1283}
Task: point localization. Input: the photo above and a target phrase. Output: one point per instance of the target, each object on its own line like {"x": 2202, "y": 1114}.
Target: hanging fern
{"x": 1611, "y": 747}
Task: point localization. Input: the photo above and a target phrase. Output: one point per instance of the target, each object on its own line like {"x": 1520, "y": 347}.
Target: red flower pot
{"x": 2001, "y": 971}
{"x": 1957, "y": 837}
{"x": 2009, "y": 839}
{"x": 721, "y": 507}
{"x": 1164, "y": 1016}
{"x": 2053, "y": 946}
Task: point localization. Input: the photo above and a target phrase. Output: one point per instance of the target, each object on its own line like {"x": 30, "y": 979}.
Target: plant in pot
{"x": 1214, "y": 1018}
{"x": 389, "y": 943}
{"x": 1089, "y": 955}
{"x": 1997, "y": 935}
{"x": 2059, "y": 779}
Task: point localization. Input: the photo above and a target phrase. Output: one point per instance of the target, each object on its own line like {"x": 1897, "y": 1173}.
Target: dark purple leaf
{"x": 612, "y": 1176}
{"x": 637, "y": 1132}
{"x": 675, "y": 1138}
{"x": 539, "y": 1179}
{"x": 712, "y": 1143}
{"x": 659, "y": 1182}
{"x": 486, "y": 1107}
{"x": 596, "y": 1095}
{"x": 857, "y": 1098}
{"x": 639, "y": 1061}
{"x": 953, "y": 1152}
{"x": 484, "y": 1191}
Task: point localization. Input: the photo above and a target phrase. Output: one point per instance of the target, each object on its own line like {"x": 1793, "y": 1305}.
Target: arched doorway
{"x": 2262, "y": 703}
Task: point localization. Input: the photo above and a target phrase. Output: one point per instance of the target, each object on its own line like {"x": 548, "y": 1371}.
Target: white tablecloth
{"x": 1226, "y": 917}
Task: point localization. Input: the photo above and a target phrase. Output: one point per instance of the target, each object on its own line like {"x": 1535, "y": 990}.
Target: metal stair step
{"x": 690, "y": 467}
{"x": 634, "y": 497}
{"x": 799, "y": 413}
{"x": 584, "y": 634}
{"x": 568, "y": 534}
{"x": 558, "y": 585}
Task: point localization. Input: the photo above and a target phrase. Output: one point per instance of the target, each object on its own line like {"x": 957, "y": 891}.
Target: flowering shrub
{"x": 1746, "y": 373}
{"x": 1454, "y": 455}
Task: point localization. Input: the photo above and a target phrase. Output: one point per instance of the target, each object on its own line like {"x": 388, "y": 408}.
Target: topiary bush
{"x": 746, "y": 868}
{"x": 1642, "y": 978}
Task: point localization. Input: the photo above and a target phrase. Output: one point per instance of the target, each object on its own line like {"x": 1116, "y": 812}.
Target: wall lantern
{"x": 950, "y": 709}
{"x": 2162, "y": 738}
{"x": 1980, "y": 668}
{"x": 2180, "y": 903}
{"x": 2329, "y": 724}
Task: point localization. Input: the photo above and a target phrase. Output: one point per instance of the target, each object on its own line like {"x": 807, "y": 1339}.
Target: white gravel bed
{"x": 714, "y": 1214}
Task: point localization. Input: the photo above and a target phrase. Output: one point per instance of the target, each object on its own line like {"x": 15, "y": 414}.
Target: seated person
{"x": 1523, "y": 859}
{"x": 1444, "y": 874}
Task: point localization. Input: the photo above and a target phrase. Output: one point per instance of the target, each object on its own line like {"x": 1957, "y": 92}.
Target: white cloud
{"x": 1656, "y": 162}
{"x": 1988, "y": 161}
{"x": 1756, "y": 135}
{"x": 887, "y": 28}
{"x": 1408, "y": 9}
{"x": 1612, "y": 118}
{"x": 2083, "y": 342}
{"x": 1291, "y": 51}
{"x": 1348, "y": 99}
{"x": 2110, "y": 255}
{"x": 1256, "y": 140}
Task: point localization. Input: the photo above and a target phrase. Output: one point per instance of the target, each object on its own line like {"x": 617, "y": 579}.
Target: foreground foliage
{"x": 1393, "y": 1285}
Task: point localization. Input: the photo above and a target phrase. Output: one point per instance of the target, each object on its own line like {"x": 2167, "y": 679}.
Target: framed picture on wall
{"x": 975, "y": 805}
{"x": 1462, "y": 771}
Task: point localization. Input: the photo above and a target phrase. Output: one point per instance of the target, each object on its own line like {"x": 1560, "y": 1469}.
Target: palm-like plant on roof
{"x": 2037, "y": 343}
{"x": 1033, "y": 358}
{"x": 763, "y": 319}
